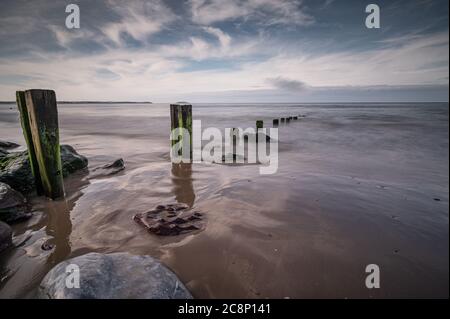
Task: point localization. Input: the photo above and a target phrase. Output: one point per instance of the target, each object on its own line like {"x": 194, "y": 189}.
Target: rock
{"x": 170, "y": 220}
{"x": 13, "y": 206}
{"x": 71, "y": 160}
{"x": 5, "y": 236}
{"x": 110, "y": 169}
{"x": 15, "y": 168}
{"x": 7, "y": 145}
{"x": 113, "y": 276}
{"x": 3, "y": 153}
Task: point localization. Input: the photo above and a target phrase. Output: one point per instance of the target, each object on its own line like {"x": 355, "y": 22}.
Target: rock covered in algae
{"x": 113, "y": 276}
{"x": 15, "y": 169}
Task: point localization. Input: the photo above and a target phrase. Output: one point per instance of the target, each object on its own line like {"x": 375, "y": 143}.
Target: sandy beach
{"x": 357, "y": 184}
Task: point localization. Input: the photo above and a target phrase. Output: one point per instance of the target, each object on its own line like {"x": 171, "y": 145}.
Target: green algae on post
{"x": 181, "y": 118}
{"x": 25, "y": 122}
{"x": 43, "y": 118}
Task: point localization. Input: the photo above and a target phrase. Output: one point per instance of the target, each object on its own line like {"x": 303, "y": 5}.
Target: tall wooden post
{"x": 275, "y": 122}
{"x": 25, "y": 123}
{"x": 181, "y": 117}
{"x": 43, "y": 119}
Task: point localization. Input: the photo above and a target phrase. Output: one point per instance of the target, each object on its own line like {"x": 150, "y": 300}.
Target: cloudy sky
{"x": 227, "y": 50}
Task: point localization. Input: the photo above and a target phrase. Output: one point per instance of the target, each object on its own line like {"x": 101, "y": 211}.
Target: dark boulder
{"x": 5, "y": 236}
{"x": 13, "y": 206}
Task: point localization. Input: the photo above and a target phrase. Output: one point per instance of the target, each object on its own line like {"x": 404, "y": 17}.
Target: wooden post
{"x": 282, "y": 120}
{"x": 295, "y": 118}
{"x": 288, "y": 119}
{"x": 43, "y": 117}
{"x": 275, "y": 123}
{"x": 234, "y": 139}
{"x": 181, "y": 117}
{"x": 26, "y": 129}
{"x": 259, "y": 124}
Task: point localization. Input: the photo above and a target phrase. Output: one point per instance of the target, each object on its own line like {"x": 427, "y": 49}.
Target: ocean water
{"x": 357, "y": 184}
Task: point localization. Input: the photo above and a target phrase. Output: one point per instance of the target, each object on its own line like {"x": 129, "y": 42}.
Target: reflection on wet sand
{"x": 42, "y": 242}
{"x": 183, "y": 187}
{"x": 59, "y": 227}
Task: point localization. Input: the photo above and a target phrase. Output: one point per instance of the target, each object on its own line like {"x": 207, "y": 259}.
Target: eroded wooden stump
{"x": 170, "y": 220}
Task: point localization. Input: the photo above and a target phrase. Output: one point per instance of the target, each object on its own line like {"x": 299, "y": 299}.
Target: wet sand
{"x": 357, "y": 184}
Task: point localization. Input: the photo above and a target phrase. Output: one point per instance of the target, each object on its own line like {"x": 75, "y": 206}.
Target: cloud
{"x": 267, "y": 12}
{"x": 223, "y": 38}
{"x": 138, "y": 18}
{"x": 287, "y": 84}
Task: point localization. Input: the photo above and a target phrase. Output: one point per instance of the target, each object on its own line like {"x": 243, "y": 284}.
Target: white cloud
{"x": 267, "y": 12}
{"x": 139, "y": 19}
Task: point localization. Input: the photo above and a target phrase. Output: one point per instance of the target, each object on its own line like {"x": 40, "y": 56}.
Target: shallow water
{"x": 356, "y": 185}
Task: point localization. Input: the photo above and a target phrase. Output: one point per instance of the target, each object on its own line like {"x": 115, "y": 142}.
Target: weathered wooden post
{"x": 26, "y": 129}
{"x": 181, "y": 117}
{"x": 259, "y": 124}
{"x": 234, "y": 134}
{"x": 288, "y": 119}
{"x": 282, "y": 120}
{"x": 295, "y": 118}
{"x": 275, "y": 122}
{"x": 43, "y": 119}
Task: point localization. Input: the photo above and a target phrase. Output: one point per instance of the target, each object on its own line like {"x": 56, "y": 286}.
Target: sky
{"x": 227, "y": 51}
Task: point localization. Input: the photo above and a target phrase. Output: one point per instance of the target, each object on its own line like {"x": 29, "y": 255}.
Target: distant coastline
{"x": 88, "y": 102}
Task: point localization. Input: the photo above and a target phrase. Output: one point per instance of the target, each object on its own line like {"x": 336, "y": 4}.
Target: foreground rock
{"x": 13, "y": 206}
{"x": 170, "y": 220}
{"x": 5, "y": 236}
{"x": 114, "y": 276}
{"x": 15, "y": 168}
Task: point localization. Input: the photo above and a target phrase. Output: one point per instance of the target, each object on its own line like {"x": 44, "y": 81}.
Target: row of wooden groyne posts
{"x": 39, "y": 121}
{"x": 276, "y": 122}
